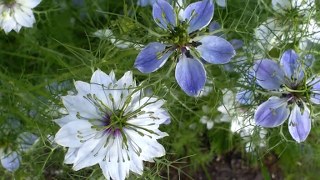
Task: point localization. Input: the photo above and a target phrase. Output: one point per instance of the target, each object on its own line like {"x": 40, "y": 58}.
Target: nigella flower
{"x": 293, "y": 21}
{"x": 289, "y": 80}
{"x": 111, "y": 123}
{"x": 15, "y": 14}
{"x": 240, "y": 122}
{"x": 189, "y": 73}
{"x": 10, "y": 155}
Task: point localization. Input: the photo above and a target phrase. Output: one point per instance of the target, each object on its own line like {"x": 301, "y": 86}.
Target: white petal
{"x": 68, "y": 135}
{"x": 29, "y": 3}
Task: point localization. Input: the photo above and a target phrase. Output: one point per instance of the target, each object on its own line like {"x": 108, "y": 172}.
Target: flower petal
{"x": 272, "y": 112}
{"x": 26, "y": 141}
{"x": 198, "y": 15}
{"x": 269, "y": 75}
{"x": 29, "y": 3}
{"x": 190, "y": 75}
{"x": 221, "y": 3}
{"x": 281, "y": 5}
{"x": 68, "y": 134}
{"x": 291, "y": 66}
{"x": 164, "y": 15}
{"x": 315, "y": 90}
{"x": 99, "y": 77}
{"x": 215, "y": 50}
{"x": 149, "y": 60}
{"x": 245, "y": 97}
{"x": 11, "y": 161}
{"x": 299, "y": 123}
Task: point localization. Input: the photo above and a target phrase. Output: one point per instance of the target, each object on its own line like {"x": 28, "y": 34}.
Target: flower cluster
{"x": 114, "y": 124}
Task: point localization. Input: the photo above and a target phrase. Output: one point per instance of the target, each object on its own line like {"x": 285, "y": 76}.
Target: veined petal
{"x": 164, "y": 15}
{"x": 71, "y": 155}
{"x": 87, "y": 155}
{"x": 23, "y": 18}
{"x": 74, "y": 133}
{"x": 152, "y": 57}
{"x": 272, "y": 112}
{"x": 268, "y": 73}
{"x": 216, "y": 50}
{"x": 79, "y": 105}
{"x": 245, "y": 97}
{"x": 291, "y": 66}
{"x": 198, "y": 14}
{"x": 190, "y": 75}
{"x": 299, "y": 123}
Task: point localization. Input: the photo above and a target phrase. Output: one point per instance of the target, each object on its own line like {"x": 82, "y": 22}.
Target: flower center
{"x": 179, "y": 35}
{"x": 114, "y": 123}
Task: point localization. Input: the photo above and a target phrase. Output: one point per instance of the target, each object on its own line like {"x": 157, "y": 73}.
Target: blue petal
{"x": 309, "y": 59}
{"x": 315, "y": 90}
{"x": 148, "y": 59}
{"x": 11, "y": 161}
{"x": 198, "y": 14}
{"x": 236, "y": 43}
{"x": 291, "y": 66}
{"x": 245, "y": 97}
{"x": 190, "y": 75}
{"x": 215, "y": 26}
{"x": 215, "y": 50}
{"x": 269, "y": 75}
{"x": 272, "y": 112}
{"x": 299, "y": 123}
{"x": 145, "y": 2}
{"x": 164, "y": 15}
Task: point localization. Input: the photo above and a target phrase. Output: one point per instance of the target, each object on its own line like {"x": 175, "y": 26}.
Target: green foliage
{"x": 39, "y": 64}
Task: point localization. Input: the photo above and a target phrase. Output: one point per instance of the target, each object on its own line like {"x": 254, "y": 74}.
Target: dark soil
{"x": 234, "y": 166}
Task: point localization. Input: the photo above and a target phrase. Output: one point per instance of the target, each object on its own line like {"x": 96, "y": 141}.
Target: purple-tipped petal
{"x": 190, "y": 75}
{"x": 198, "y": 14}
{"x": 315, "y": 90}
{"x": 269, "y": 75}
{"x": 164, "y": 15}
{"x": 299, "y": 123}
{"x": 215, "y": 50}
{"x": 152, "y": 57}
{"x": 272, "y": 112}
{"x": 291, "y": 66}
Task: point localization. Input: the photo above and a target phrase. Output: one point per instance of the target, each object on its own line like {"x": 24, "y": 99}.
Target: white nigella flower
{"x": 10, "y": 159}
{"x": 240, "y": 123}
{"x": 15, "y": 14}
{"x": 107, "y": 34}
{"x": 111, "y": 123}
{"x": 278, "y": 30}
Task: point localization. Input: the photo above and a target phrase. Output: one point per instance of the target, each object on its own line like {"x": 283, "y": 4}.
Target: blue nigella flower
{"x": 289, "y": 80}
{"x": 189, "y": 73}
